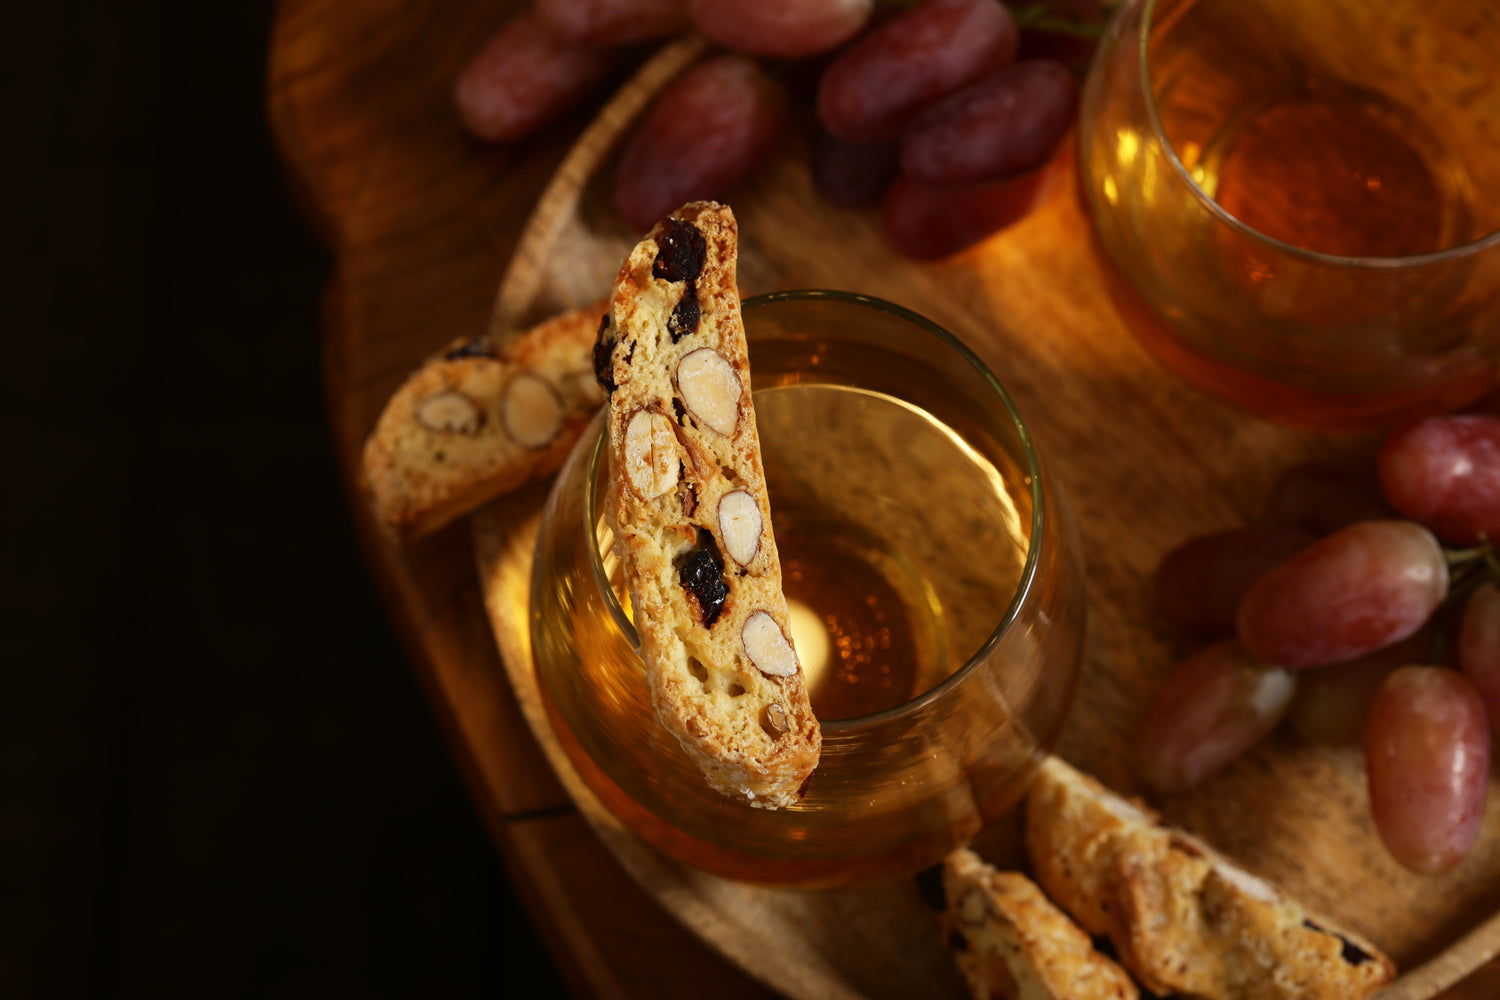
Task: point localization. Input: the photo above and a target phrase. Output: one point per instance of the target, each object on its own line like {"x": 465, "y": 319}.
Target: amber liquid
{"x": 901, "y": 549}
{"x": 888, "y": 597}
{"x": 1295, "y": 155}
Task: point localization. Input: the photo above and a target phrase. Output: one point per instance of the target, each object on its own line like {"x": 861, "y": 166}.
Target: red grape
{"x": 1004, "y": 124}
{"x": 1358, "y": 590}
{"x": 612, "y": 22}
{"x": 706, "y": 133}
{"x": 523, "y": 77}
{"x": 1199, "y": 584}
{"x": 1479, "y": 645}
{"x": 1333, "y": 702}
{"x": 877, "y": 85}
{"x": 781, "y": 29}
{"x": 927, "y": 222}
{"x": 1218, "y": 703}
{"x": 1323, "y": 497}
{"x": 1427, "y": 760}
{"x": 849, "y": 173}
{"x": 1445, "y": 472}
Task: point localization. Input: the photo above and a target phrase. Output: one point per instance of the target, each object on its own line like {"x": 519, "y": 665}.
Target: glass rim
{"x": 1432, "y": 257}
{"x": 1033, "y": 472}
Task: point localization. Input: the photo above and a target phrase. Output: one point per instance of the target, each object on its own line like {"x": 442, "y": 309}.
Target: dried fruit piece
{"x": 478, "y": 347}
{"x": 710, "y": 389}
{"x": 739, "y": 526}
{"x": 604, "y": 353}
{"x": 531, "y": 410}
{"x": 680, "y": 252}
{"x": 702, "y": 576}
{"x": 767, "y": 646}
{"x": 450, "y": 412}
{"x": 650, "y": 461}
{"x": 683, "y": 320}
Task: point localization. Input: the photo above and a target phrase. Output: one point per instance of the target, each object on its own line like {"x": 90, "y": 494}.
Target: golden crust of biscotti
{"x": 691, "y": 520}
{"x": 1012, "y": 943}
{"x": 473, "y": 423}
{"x": 1183, "y": 918}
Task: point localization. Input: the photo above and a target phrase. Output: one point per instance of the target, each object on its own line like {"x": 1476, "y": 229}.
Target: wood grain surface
{"x": 423, "y": 223}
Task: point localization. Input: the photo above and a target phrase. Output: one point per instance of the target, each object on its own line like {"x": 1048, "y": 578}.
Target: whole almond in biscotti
{"x": 476, "y": 421}
{"x": 687, "y": 502}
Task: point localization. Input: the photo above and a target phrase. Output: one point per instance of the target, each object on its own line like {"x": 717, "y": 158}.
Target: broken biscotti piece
{"x": 1011, "y": 943}
{"x": 687, "y": 503}
{"x": 474, "y": 422}
{"x": 1182, "y": 918}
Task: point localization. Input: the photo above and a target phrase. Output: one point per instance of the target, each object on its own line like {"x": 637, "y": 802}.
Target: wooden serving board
{"x": 424, "y": 222}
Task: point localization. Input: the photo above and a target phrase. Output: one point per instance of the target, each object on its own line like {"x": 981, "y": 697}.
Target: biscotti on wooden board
{"x": 687, "y": 503}
{"x": 1012, "y": 943}
{"x": 1183, "y": 919}
{"x": 474, "y": 422}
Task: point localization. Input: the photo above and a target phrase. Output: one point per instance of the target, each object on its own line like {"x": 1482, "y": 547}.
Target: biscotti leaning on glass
{"x": 692, "y": 525}
{"x": 478, "y": 420}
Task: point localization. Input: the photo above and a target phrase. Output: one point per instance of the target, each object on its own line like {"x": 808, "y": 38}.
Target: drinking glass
{"x": 936, "y": 596}
{"x": 1298, "y": 201}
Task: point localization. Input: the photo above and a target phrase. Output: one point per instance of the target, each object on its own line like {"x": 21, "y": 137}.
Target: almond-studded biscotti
{"x": 474, "y": 422}
{"x": 687, "y": 502}
{"x": 1012, "y": 943}
{"x": 1183, "y": 918}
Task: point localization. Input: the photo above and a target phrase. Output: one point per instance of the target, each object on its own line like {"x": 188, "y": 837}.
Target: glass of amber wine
{"x": 936, "y": 597}
{"x": 1298, "y": 201}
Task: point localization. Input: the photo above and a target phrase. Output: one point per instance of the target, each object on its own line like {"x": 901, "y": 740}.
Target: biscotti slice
{"x": 473, "y": 423}
{"x": 1012, "y": 943}
{"x": 1183, "y": 918}
{"x": 687, "y": 503}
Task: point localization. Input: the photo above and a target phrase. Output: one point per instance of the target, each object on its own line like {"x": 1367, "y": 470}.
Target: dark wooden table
{"x": 219, "y": 775}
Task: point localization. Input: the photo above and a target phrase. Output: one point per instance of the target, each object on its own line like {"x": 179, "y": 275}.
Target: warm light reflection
{"x": 1128, "y": 146}
{"x": 810, "y": 637}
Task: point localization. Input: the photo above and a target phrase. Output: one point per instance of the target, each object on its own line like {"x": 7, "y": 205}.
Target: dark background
{"x": 220, "y": 777}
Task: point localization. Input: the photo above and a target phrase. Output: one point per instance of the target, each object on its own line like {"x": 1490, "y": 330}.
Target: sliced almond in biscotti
{"x": 687, "y": 502}
{"x": 474, "y": 422}
{"x": 1183, "y": 918}
{"x": 1012, "y": 943}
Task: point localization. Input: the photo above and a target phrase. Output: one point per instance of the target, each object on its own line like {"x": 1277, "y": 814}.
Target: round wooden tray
{"x": 422, "y": 221}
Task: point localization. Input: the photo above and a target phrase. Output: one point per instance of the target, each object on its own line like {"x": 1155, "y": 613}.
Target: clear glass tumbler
{"x": 1298, "y": 201}
{"x": 936, "y": 593}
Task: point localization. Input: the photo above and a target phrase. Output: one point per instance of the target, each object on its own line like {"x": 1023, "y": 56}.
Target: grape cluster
{"x": 946, "y": 112}
{"x": 1366, "y": 609}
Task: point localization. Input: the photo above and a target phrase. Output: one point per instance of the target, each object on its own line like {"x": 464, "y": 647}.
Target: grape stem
{"x": 1042, "y": 17}
{"x": 1469, "y": 569}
